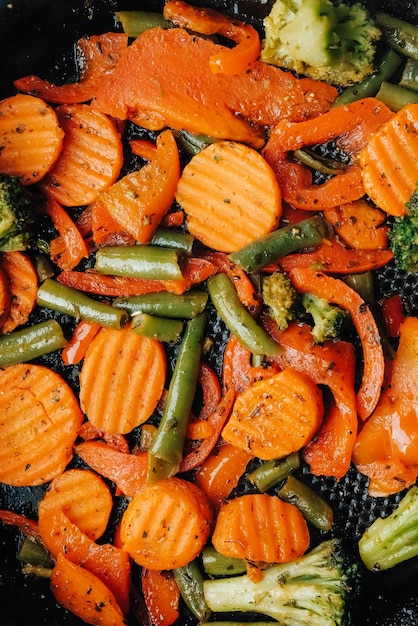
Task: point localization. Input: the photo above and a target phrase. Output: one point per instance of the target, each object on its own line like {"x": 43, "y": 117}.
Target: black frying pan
{"x": 37, "y": 36}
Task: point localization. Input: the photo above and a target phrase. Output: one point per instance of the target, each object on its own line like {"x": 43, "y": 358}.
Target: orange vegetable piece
{"x": 166, "y": 525}
{"x": 5, "y": 296}
{"x": 389, "y": 161}
{"x": 40, "y": 421}
{"x": 84, "y": 594}
{"x": 162, "y": 596}
{"x": 275, "y": 416}
{"x": 77, "y": 346}
{"x": 91, "y": 157}
{"x": 121, "y": 379}
{"x": 31, "y": 138}
{"x": 359, "y": 224}
{"x": 69, "y": 248}
{"x": 237, "y": 371}
{"x": 27, "y": 526}
{"x": 22, "y": 282}
{"x": 230, "y": 196}
{"x": 139, "y": 200}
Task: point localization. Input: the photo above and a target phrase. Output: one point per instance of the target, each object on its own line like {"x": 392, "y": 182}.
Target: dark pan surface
{"x": 37, "y": 36}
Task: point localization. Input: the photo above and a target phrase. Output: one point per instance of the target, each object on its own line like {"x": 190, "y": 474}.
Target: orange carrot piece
{"x": 127, "y": 471}
{"x": 389, "y": 162}
{"x": 98, "y": 55}
{"x": 153, "y": 542}
{"x": 85, "y": 595}
{"x": 143, "y": 148}
{"x": 23, "y": 286}
{"x": 162, "y": 596}
{"x": 69, "y": 248}
{"x": 31, "y": 138}
{"x": 275, "y": 416}
{"x": 105, "y": 229}
{"x": 26, "y": 525}
{"x": 237, "y": 371}
{"x": 41, "y": 418}
{"x": 195, "y": 270}
{"x": 210, "y": 22}
{"x": 359, "y": 224}
{"x": 5, "y": 296}
{"x": 91, "y": 157}
{"x": 338, "y": 292}
{"x": 111, "y": 286}
{"x": 260, "y": 528}
{"x": 121, "y": 379}
{"x": 139, "y": 200}
{"x": 220, "y": 472}
{"x": 174, "y": 218}
{"x": 76, "y": 348}
{"x": 225, "y": 209}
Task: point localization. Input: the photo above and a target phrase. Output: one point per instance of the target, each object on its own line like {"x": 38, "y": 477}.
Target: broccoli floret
{"x": 281, "y": 298}
{"x": 323, "y": 39}
{"x": 16, "y": 215}
{"x": 393, "y": 539}
{"x": 403, "y": 236}
{"x": 328, "y": 319}
{"x": 310, "y": 590}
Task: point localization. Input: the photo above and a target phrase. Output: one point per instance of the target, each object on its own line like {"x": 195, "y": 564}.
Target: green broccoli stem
{"x": 313, "y": 507}
{"x": 394, "y": 539}
{"x": 396, "y": 97}
{"x": 401, "y": 35}
{"x": 160, "y": 328}
{"x": 291, "y": 238}
{"x": 165, "y": 304}
{"x": 139, "y": 262}
{"x": 189, "y": 579}
{"x": 134, "y": 23}
{"x": 270, "y": 473}
{"x": 30, "y": 343}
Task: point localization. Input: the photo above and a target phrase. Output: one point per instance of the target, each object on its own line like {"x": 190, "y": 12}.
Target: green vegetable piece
{"x": 166, "y": 451}
{"x": 34, "y": 553}
{"x": 309, "y": 232}
{"x": 190, "y": 581}
{"x": 134, "y": 23}
{"x": 403, "y": 236}
{"x": 401, "y": 35}
{"x": 314, "y": 508}
{"x": 236, "y": 317}
{"x": 396, "y": 97}
{"x": 327, "y": 318}
{"x": 409, "y": 78}
{"x": 30, "y": 343}
{"x": 216, "y": 564}
{"x": 165, "y": 304}
{"x": 70, "y": 301}
{"x": 193, "y": 144}
{"x": 393, "y": 539}
{"x": 168, "y": 238}
{"x": 281, "y": 298}
{"x": 16, "y": 216}
{"x": 270, "y": 473}
{"x": 138, "y": 262}
{"x": 160, "y": 328}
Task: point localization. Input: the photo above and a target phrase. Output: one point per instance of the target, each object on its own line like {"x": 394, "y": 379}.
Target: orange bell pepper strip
{"x": 338, "y": 292}
{"x": 88, "y": 432}
{"x": 210, "y": 22}
{"x": 76, "y": 347}
{"x": 26, "y": 525}
{"x": 69, "y": 248}
{"x": 162, "y": 596}
{"x": 237, "y": 371}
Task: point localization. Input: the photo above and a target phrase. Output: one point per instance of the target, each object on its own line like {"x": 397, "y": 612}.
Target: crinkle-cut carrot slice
{"x": 230, "y": 196}
{"x": 23, "y": 285}
{"x": 31, "y": 138}
{"x": 389, "y": 162}
{"x": 121, "y": 379}
{"x": 40, "y": 418}
{"x": 91, "y": 156}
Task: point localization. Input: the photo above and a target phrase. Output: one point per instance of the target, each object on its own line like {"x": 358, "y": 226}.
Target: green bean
{"x": 309, "y": 232}
{"x": 139, "y": 262}
{"x": 409, "y": 78}
{"x": 34, "y": 553}
{"x": 168, "y": 238}
{"x": 30, "y": 343}
{"x": 165, "y": 304}
{"x": 44, "y": 267}
{"x": 160, "y": 328}
{"x": 166, "y": 451}
{"x": 136, "y": 22}
{"x": 193, "y": 144}
{"x": 368, "y": 87}
{"x": 70, "y": 301}
{"x": 318, "y": 163}
{"x": 396, "y": 97}
{"x": 401, "y": 35}
{"x": 314, "y": 508}
{"x": 270, "y": 473}
{"x": 236, "y": 317}
{"x": 216, "y": 564}
{"x": 190, "y": 582}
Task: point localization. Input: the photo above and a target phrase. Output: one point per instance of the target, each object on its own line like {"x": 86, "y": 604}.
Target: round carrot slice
{"x": 230, "y": 195}
{"x": 40, "y": 418}
{"x": 167, "y": 524}
{"x": 30, "y": 138}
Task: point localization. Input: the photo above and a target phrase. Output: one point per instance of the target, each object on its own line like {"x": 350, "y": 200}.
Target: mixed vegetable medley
{"x": 189, "y": 329}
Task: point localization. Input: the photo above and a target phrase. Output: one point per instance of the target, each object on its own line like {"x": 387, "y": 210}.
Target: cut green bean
{"x": 309, "y": 232}
{"x": 165, "y": 304}
{"x": 216, "y": 564}
{"x": 236, "y": 317}
{"x": 70, "y": 301}
{"x": 160, "y": 328}
{"x": 401, "y": 35}
{"x": 409, "y": 78}
{"x": 320, "y": 164}
{"x": 168, "y": 238}
{"x": 190, "y": 582}
{"x": 34, "y": 553}
{"x": 314, "y": 508}
{"x": 138, "y": 262}
{"x": 396, "y": 97}
{"x": 167, "y": 446}
{"x": 270, "y": 473}
{"x": 369, "y": 87}
{"x": 193, "y": 144}
{"x": 30, "y": 343}
{"x": 134, "y": 23}
{"x": 44, "y": 267}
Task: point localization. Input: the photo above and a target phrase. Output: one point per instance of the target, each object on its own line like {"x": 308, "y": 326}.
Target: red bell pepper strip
{"x": 69, "y": 248}
{"x": 77, "y": 346}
